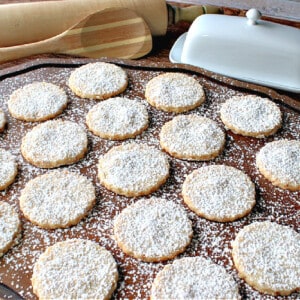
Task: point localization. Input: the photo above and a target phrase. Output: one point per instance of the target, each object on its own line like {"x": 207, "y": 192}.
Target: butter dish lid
{"x": 245, "y": 48}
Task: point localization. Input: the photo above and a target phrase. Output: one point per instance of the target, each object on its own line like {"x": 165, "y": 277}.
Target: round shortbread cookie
{"x": 54, "y": 143}
{"x": 117, "y": 118}
{"x": 192, "y": 137}
{"x": 219, "y": 193}
{"x": 10, "y": 227}
{"x": 8, "y": 169}
{"x": 174, "y": 92}
{"x": 251, "y": 116}
{"x": 57, "y": 199}
{"x": 153, "y": 230}
{"x": 267, "y": 257}
{"x": 98, "y": 80}
{"x": 279, "y": 162}
{"x": 194, "y": 278}
{"x": 2, "y": 120}
{"x": 38, "y": 101}
{"x": 133, "y": 169}
{"x": 75, "y": 269}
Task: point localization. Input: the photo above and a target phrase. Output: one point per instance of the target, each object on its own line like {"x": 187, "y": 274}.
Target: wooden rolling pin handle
{"x": 190, "y": 13}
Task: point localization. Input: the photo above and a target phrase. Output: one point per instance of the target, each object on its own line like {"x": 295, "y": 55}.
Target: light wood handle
{"x": 24, "y": 23}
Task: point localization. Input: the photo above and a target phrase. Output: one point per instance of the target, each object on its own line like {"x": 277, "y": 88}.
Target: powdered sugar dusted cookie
{"x": 219, "y": 193}
{"x": 10, "y": 227}
{"x": 267, "y": 256}
{"x": 37, "y": 101}
{"x": 98, "y": 80}
{"x": 153, "y": 230}
{"x": 251, "y": 116}
{"x": 174, "y": 92}
{"x": 192, "y": 137}
{"x": 54, "y": 143}
{"x": 117, "y": 118}
{"x": 279, "y": 162}
{"x": 194, "y": 278}
{"x": 8, "y": 169}
{"x": 57, "y": 199}
{"x": 75, "y": 269}
{"x": 2, "y": 120}
{"x": 133, "y": 169}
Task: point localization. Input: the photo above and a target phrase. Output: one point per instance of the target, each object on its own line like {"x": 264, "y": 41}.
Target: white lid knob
{"x": 253, "y": 16}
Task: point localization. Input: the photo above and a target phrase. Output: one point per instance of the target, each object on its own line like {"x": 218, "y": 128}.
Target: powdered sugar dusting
{"x": 251, "y": 115}
{"x": 94, "y": 271}
{"x": 279, "y": 161}
{"x": 117, "y": 118}
{"x": 133, "y": 169}
{"x": 192, "y": 137}
{"x": 194, "y": 278}
{"x": 210, "y": 240}
{"x": 54, "y": 143}
{"x": 219, "y": 193}
{"x": 153, "y": 229}
{"x": 10, "y": 226}
{"x": 57, "y": 199}
{"x": 176, "y": 92}
{"x": 8, "y": 168}
{"x": 37, "y": 101}
{"x": 268, "y": 255}
{"x": 98, "y": 80}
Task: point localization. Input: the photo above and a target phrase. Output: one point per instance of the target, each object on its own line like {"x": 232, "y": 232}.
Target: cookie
{"x": 37, "y": 101}
{"x": 279, "y": 162}
{"x": 57, "y": 199}
{"x": 75, "y": 269}
{"x": 2, "y": 120}
{"x": 194, "y": 278}
{"x": 153, "y": 230}
{"x": 117, "y": 118}
{"x": 133, "y": 169}
{"x": 174, "y": 92}
{"x": 251, "y": 116}
{"x": 192, "y": 137}
{"x": 10, "y": 227}
{"x": 54, "y": 143}
{"x": 98, "y": 80}
{"x": 219, "y": 193}
{"x": 8, "y": 169}
{"x": 267, "y": 257}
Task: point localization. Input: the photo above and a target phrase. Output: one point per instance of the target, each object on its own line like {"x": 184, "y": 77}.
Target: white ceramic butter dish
{"x": 245, "y": 48}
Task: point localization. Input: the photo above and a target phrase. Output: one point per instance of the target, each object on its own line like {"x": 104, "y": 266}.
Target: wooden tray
{"x": 211, "y": 239}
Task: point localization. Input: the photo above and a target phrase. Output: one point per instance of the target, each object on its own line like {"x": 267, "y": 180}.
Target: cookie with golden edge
{"x": 266, "y": 256}
{"x": 219, "y": 193}
{"x": 37, "y": 101}
{"x": 99, "y": 80}
{"x": 57, "y": 199}
{"x": 279, "y": 162}
{"x": 75, "y": 269}
{"x": 174, "y": 92}
{"x": 194, "y": 278}
{"x": 8, "y": 169}
{"x": 251, "y": 116}
{"x": 133, "y": 169}
{"x": 2, "y": 120}
{"x": 192, "y": 137}
{"x": 54, "y": 143}
{"x": 10, "y": 227}
{"x": 117, "y": 118}
{"x": 153, "y": 230}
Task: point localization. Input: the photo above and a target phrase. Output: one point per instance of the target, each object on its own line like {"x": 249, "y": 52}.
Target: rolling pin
{"x": 23, "y": 23}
